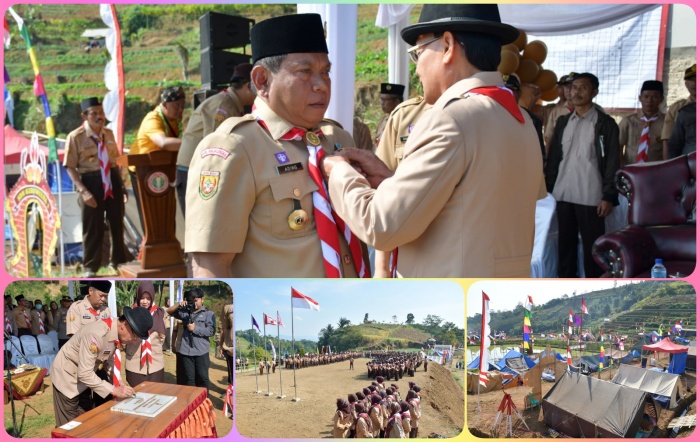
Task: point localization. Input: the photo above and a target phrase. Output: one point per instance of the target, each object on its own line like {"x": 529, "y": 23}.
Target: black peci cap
{"x": 288, "y": 34}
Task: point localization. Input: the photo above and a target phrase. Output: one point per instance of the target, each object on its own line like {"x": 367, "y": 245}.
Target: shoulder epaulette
{"x": 333, "y": 122}
{"x": 231, "y": 123}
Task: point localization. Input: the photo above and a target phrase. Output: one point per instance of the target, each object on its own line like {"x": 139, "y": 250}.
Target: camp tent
{"x": 592, "y": 362}
{"x": 666, "y": 387}
{"x": 679, "y": 354}
{"x": 515, "y": 361}
{"x": 583, "y": 406}
{"x": 495, "y": 380}
{"x": 15, "y": 142}
{"x": 474, "y": 365}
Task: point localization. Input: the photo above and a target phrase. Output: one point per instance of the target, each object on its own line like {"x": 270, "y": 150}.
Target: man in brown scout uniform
{"x": 21, "y": 315}
{"x": 89, "y": 350}
{"x": 391, "y": 95}
{"x": 640, "y": 132}
{"x": 462, "y": 201}
{"x": 256, "y": 203}
{"x": 10, "y": 325}
{"x": 62, "y": 321}
{"x": 40, "y": 324}
{"x": 90, "y": 309}
{"x": 90, "y": 159}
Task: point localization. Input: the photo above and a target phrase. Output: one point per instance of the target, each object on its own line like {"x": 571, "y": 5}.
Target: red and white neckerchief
{"x": 643, "y": 150}
{"x": 42, "y": 331}
{"x": 8, "y": 324}
{"x": 103, "y": 158}
{"x": 28, "y": 322}
{"x": 117, "y": 370}
{"x": 405, "y": 415}
{"x": 503, "y": 96}
{"x": 328, "y": 223}
{"x": 146, "y": 349}
{"x": 228, "y": 401}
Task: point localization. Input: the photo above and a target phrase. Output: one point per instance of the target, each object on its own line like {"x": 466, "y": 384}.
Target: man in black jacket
{"x": 580, "y": 174}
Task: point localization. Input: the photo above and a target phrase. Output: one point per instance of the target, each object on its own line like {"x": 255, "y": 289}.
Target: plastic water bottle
{"x": 658, "y": 271}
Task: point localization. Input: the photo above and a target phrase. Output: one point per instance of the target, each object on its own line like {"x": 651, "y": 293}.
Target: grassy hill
{"x": 161, "y": 48}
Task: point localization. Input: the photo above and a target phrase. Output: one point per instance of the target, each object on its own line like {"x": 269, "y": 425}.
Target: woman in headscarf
{"x": 405, "y": 418}
{"x": 352, "y": 399}
{"x": 363, "y": 426}
{"x": 342, "y": 420}
{"x": 393, "y": 424}
{"x": 376, "y": 413}
{"x": 144, "y": 359}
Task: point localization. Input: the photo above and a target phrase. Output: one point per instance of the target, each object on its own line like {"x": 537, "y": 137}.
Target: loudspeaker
{"x": 202, "y": 95}
{"x": 217, "y": 67}
{"x": 223, "y": 31}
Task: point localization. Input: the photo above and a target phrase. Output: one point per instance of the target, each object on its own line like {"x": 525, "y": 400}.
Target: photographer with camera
{"x": 199, "y": 325}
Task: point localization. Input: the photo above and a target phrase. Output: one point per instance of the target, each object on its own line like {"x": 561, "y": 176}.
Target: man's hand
{"x": 365, "y": 162}
{"x": 190, "y": 326}
{"x": 604, "y": 208}
{"x": 122, "y": 391}
{"x": 88, "y": 198}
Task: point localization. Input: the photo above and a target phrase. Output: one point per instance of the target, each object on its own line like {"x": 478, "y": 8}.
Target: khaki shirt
{"x": 38, "y": 316}
{"x": 552, "y": 117}
{"x": 399, "y": 125}
{"x": 81, "y": 149}
{"x": 205, "y": 119}
{"x": 133, "y": 356}
{"x": 226, "y": 321}
{"x": 9, "y": 315}
{"x": 361, "y": 135}
{"x": 79, "y": 315}
{"x": 380, "y": 128}
{"x": 670, "y": 119}
{"x": 242, "y": 190}
{"x": 61, "y": 322}
{"x": 462, "y": 201}
{"x": 631, "y": 128}
{"x": 22, "y": 317}
{"x": 91, "y": 348}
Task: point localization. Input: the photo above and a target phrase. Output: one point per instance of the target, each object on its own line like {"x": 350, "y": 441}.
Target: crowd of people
{"x": 378, "y": 411}
{"x": 395, "y": 365}
{"x": 102, "y": 356}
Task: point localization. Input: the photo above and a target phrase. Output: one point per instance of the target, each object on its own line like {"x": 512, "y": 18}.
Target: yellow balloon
{"x": 510, "y": 47}
{"x": 546, "y": 80}
{"x": 521, "y": 41}
{"x": 509, "y": 62}
{"x": 535, "y": 51}
{"x": 550, "y": 95}
{"x": 527, "y": 70}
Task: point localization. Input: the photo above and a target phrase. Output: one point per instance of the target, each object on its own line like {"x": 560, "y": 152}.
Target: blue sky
{"x": 344, "y": 298}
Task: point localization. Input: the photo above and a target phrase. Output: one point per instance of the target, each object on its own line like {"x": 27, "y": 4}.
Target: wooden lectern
{"x": 162, "y": 255}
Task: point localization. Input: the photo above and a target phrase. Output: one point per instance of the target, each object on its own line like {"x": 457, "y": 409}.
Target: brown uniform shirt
{"x": 92, "y": 348}
{"x": 38, "y": 316}
{"x": 361, "y": 135}
{"x": 79, "y": 315}
{"x": 380, "y": 128}
{"x": 670, "y": 119}
{"x": 205, "y": 119}
{"x": 244, "y": 184}
{"x": 13, "y": 323}
{"x": 22, "y": 317}
{"x": 81, "y": 149}
{"x": 226, "y": 322}
{"x": 398, "y": 127}
{"x": 631, "y": 127}
{"x": 61, "y": 322}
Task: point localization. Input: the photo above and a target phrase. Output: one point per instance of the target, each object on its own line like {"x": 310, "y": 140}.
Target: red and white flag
{"x": 279, "y": 320}
{"x": 268, "y": 320}
{"x": 571, "y": 321}
{"x": 6, "y": 37}
{"x": 584, "y": 309}
{"x": 302, "y": 301}
{"x": 485, "y": 340}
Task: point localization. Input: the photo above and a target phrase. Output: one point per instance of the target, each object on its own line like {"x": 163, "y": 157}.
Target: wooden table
{"x": 102, "y": 422}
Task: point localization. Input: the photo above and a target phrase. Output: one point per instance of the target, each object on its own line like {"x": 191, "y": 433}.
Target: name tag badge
{"x": 403, "y": 139}
{"x": 87, "y": 317}
{"x": 287, "y": 168}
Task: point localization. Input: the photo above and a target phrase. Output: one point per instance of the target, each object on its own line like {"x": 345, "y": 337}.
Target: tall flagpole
{"x": 255, "y": 359}
{"x": 267, "y": 360}
{"x": 294, "y": 365}
{"x": 279, "y": 351}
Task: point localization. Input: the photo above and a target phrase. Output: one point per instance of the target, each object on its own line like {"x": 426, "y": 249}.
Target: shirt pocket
{"x": 285, "y": 189}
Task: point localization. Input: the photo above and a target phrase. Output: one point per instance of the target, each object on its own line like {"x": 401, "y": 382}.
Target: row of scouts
{"x": 395, "y": 365}
{"x": 378, "y": 412}
{"x": 297, "y": 362}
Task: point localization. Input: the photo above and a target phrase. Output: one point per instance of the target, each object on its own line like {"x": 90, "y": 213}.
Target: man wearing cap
{"x": 22, "y": 313}
{"x": 683, "y": 137}
{"x": 235, "y": 101}
{"x": 562, "y": 107}
{"x": 61, "y": 320}
{"x": 161, "y": 128}
{"x": 580, "y": 173}
{"x": 640, "y": 132}
{"x": 462, "y": 201}
{"x": 92, "y": 349}
{"x": 90, "y": 159}
{"x": 90, "y": 309}
{"x": 670, "y": 120}
{"x": 391, "y": 95}
{"x": 256, "y": 204}
{"x": 194, "y": 346}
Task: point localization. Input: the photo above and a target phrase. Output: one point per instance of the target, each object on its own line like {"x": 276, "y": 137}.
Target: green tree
{"x": 256, "y": 352}
{"x": 343, "y": 322}
{"x": 366, "y": 320}
{"x": 410, "y": 318}
{"x": 432, "y": 321}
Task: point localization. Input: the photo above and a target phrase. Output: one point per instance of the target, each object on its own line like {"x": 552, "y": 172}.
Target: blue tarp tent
{"x": 474, "y": 365}
{"x": 516, "y": 361}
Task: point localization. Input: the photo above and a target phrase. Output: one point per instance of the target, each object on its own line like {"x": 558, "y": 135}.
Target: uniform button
{"x": 297, "y": 192}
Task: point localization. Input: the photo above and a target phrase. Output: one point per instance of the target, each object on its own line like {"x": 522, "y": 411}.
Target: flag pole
{"x": 255, "y": 358}
{"x": 279, "y": 350}
{"x": 294, "y": 365}
{"x": 267, "y": 360}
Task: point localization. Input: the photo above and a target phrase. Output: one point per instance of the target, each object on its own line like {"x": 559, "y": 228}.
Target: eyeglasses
{"x": 413, "y": 51}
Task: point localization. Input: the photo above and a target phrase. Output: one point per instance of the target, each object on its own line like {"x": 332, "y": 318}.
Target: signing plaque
{"x": 144, "y": 404}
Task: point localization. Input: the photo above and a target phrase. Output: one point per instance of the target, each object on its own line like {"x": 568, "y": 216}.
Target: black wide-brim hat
{"x": 140, "y": 321}
{"x": 288, "y": 34}
{"x": 478, "y": 19}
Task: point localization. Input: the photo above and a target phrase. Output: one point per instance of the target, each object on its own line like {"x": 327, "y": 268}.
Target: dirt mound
{"x": 443, "y": 394}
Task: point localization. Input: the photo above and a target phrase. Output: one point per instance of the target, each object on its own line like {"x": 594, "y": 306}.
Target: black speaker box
{"x": 223, "y": 31}
{"x": 217, "y": 67}
{"x": 202, "y": 95}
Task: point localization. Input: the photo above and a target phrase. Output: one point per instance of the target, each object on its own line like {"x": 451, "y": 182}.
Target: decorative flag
{"x": 302, "y": 301}
{"x": 527, "y": 326}
{"x": 602, "y": 359}
{"x": 568, "y": 342}
{"x": 255, "y": 323}
{"x": 584, "y": 309}
{"x": 268, "y": 320}
{"x": 228, "y": 401}
{"x": 571, "y": 318}
{"x": 577, "y": 321}
{"x": 679, "y": 326}
{"x": 279, "y": 320}
{"x": 7, "y": 37}
{"x": 38, "y": 87}
{"x": 113, "y": 103}
{"x": 485, "y": 340}
{"x": 274, "y": 353}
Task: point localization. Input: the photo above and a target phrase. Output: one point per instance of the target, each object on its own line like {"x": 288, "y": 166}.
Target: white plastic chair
{"x": 46, "y": 345}
{"x": 31, "y": 352}
{"x": 15, "y": 350}
{"x": 53, "y": 334}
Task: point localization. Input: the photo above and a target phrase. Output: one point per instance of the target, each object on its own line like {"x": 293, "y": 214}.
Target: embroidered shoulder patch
{"x": 94, "y": 346}
{"x": 215, "y": 151}
{"x": 208, "y": 183}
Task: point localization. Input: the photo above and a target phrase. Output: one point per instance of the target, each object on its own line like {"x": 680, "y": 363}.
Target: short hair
{"x": 482, "y": 51}
{"x": 239, "y": 83}
{"x": 272, "y": 64}
{"x": 592, "y": 78}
